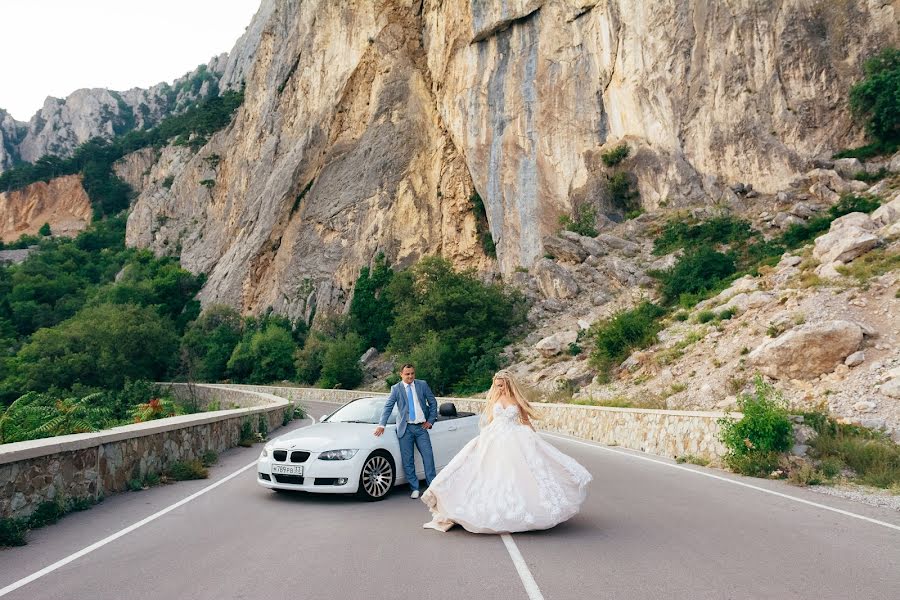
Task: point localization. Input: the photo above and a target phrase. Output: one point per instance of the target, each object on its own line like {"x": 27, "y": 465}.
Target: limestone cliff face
{"x": 11, "y": 133}
{"x": 62, "y": 203}
{"x": 367, "y": 125}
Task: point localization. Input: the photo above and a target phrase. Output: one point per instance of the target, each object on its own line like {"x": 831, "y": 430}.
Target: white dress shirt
{"x": 420, "y": 413}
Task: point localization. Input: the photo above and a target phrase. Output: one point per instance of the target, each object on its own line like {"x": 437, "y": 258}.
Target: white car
{"x": 341, "y": 455}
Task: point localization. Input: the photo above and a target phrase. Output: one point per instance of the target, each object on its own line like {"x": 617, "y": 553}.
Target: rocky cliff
{"x": 62, "y": 203}
{"x": 61, "y": 125}
{"x": 366, "y": 128}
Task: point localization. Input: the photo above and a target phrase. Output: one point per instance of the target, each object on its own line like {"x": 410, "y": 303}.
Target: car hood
{"x": 328, "y": 436}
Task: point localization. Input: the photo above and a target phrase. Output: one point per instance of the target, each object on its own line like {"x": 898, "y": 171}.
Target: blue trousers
{"x": 418, "y": 436}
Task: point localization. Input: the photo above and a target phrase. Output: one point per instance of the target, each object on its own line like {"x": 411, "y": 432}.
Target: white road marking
{"x": 96, "y": 545}
{"x": 727, "y": 480}
{"x": 531, "y": 587}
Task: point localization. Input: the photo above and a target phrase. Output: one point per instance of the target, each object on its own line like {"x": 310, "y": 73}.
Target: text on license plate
{"x": 288, "y": 469}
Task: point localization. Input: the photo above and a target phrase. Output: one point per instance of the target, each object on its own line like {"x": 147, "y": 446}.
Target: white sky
{"x": 54, "y": 47}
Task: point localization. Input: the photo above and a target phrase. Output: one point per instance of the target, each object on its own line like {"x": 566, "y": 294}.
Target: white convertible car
{"x": 340, "y": 454}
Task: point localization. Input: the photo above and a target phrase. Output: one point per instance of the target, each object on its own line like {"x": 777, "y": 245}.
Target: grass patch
{"x": 872, "y": 264}
{"x": 870, "y": 454}
{"x": 186, "y": 470}
{"x": 692, "y": 459}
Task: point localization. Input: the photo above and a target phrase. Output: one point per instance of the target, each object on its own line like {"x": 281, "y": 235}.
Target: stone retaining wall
{"x": 669, "y": 433}
{"x": 92, "y": 465}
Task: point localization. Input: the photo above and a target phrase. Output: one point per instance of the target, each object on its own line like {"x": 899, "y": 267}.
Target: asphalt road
{"x": 650, "y": 529}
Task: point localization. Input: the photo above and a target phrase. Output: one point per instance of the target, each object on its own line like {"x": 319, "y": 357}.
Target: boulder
{"x": 556, "y": 343}
{"x": 808, "y": 351}
{"x": 564, "y": 249}
{"x": 855, "y": 359}
{"x": 802, "y": 210}
{"x": 854, "y": 219}
{"x": 891, "y": 388}
{"x": 894, "y": 165}
{"x": 823, "y": 193}
{"x": 624, "y": 246}
{"x": 554, "y": 281}
{"x": 887, "y": 214}
{"x": 844, "y": 244}
{"x": 848, "y": 167}
{"x": 368, "y": 356}
{"x": 784, "y": 220}
{"x": 745, "y": 301}
{"x": 593, "y": 247}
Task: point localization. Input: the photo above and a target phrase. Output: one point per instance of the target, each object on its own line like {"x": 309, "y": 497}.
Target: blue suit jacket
{"x": 426, "y": 398}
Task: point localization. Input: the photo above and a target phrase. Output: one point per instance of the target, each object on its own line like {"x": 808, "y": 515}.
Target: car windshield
{"x": 364, "y": 410}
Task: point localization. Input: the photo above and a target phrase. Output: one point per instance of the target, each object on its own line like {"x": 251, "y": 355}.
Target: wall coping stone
{"x": 17, "y": 451}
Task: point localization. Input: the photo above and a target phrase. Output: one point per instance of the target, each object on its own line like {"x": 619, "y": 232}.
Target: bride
{"x": 508, "y": 478}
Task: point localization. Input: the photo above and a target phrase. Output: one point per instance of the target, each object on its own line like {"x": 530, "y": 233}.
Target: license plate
{"x": 288, "y": 470}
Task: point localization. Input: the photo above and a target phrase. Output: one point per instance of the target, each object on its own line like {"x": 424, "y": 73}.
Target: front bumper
{"x": 319, "y": 476}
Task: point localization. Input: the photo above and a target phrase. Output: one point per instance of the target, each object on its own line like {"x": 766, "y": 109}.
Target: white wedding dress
{"x": 505, "y": 480}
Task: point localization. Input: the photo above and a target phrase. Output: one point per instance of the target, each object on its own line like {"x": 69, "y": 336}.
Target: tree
{"x": 371, "y": 310}
{"x": 101, "y": 346}
{"x": 44, "y": 230}
{"x": 264, "y": 356}
{"x": 340, "y": 363}
{"x": 877, "y": 97}
{"x": 209, "y": 342}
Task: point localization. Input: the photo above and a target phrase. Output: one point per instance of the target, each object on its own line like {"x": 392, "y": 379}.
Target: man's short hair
{"x": 407, "y": 366}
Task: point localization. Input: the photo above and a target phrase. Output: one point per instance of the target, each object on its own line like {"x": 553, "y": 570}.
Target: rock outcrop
{"x": 808, "y": 351}
{"x": 62, "y": 203}
{"x": 366, "y": 128}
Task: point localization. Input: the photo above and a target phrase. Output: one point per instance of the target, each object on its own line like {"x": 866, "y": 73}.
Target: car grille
{"x": 326, "y": 481}
{"x": 294, "y": 479}
{"x": 297, "y": 456}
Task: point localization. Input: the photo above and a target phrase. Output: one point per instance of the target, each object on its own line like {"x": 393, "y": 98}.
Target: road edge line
{"x": 727, "y": 480}
{"x": 123, "y": 532}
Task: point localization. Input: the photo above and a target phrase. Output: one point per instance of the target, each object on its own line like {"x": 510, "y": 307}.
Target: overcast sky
{"x": 54, "y": 47}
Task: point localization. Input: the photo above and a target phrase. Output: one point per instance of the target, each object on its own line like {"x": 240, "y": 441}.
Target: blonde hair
{"x": 527, "y": 413}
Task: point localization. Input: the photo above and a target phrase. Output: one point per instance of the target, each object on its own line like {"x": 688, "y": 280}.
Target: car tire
{"x": 377, "y": 477}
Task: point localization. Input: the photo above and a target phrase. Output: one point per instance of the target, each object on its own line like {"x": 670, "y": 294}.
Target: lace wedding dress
{"x": 505, "y": 480}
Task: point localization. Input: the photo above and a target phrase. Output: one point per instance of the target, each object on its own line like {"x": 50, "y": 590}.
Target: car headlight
{"x": 266, "y": 449}
{"x": 338, "y": 454}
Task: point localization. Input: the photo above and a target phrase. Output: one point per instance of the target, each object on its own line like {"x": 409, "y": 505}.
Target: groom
{"x": 416, "y": 413}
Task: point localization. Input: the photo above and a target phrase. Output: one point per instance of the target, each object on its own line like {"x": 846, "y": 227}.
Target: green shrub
{"x": 209, "y": 342}
{"x": 46, "y": 513}
{"x": 616, "y": 155}
{"x": 871, "y": 455}
{"x": 583, "y": 220}
{"x": 705, "y": 316}
{"x": 726, "y": 314}
{"x": 340, "y": 364}
{"x": 156, "y": 408}
{"x": 876, "y": 99}
{"x": 682, "y": 315}
{"x": 185, "y": 470}
{"x": 247, "y": 436}
{"x": 262, "y": 426}
{"x": 574, "y": 349}
{"x": 616, "y": 337}
{"x": 756, "y": 464}
{"x": 265, "y": 355}
{"x": 719, "y": 230}
{"x": 831, "y": 466}
{"x": 209, "y": 458}
{"x": 12, "y": 532}
{"x": 698, "y": 271}
{"x": 622, "y": 194}
{"x": 44, "y": 230}
{"x": 288, "y": 415}
{"x": 764, "y": 430}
